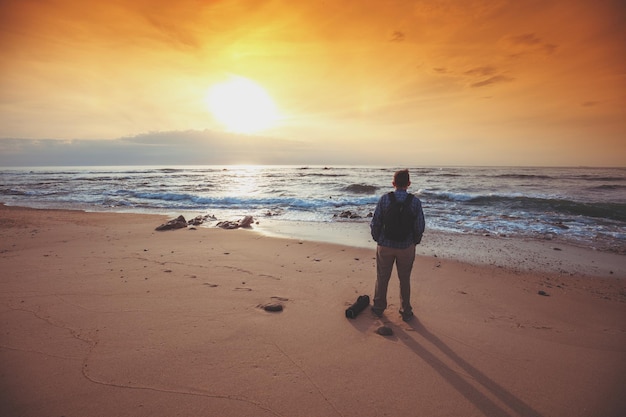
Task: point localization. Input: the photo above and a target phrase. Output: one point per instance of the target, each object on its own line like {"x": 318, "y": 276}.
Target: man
{"x": 391, "y": 249}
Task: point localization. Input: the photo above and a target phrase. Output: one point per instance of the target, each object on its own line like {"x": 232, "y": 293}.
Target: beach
{"x": 104, "y": 316}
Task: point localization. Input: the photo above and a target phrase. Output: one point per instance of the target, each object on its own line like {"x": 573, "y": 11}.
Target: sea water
{"x": 583, "y": 206}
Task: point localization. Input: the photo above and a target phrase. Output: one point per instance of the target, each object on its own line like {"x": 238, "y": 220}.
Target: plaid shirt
{"x": 376, "y": 225}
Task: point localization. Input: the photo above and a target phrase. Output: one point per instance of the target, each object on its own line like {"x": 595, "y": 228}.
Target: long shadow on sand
{"x": 487, "y": 406}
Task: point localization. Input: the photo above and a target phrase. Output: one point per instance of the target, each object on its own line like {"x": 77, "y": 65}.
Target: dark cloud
{"x": 155, "y": 148}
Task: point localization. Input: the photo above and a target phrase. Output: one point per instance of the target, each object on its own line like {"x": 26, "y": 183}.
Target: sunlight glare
{"x": 242, "y": 105}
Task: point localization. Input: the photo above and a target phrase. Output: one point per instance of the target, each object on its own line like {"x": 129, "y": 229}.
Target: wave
{"x": 361, "y": 189}
{"x": 170, "y": 170}
{"x": 11, "y": 191}
{"x": 445, "y": 195}
{"x": 448, "y": 174}
{"x": 593, "y": 178}
{"x": 322, "y": 175}
{"x": 604, "y": 187}
{"x": 273, "y": 202}
{"x": 524, "y": 176}
{"x": 605, "y": 210}
{"x": 196, "y": 201}
{"x": 612, "y": 211}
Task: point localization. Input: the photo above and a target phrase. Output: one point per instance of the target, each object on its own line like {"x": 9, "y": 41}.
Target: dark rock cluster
{"x": 180, "y": 222}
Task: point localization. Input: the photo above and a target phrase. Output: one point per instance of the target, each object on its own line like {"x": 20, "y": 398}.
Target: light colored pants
{"x": 385, "y": 258}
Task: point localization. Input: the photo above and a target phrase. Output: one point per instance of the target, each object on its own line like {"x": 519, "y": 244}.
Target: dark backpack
{"x": 398, "y": 218}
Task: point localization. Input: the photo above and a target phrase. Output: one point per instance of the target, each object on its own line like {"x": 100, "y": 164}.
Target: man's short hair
{"x": 401, "y": 178}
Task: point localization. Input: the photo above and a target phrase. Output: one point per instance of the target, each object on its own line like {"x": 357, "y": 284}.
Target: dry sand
{"x": 103, "y": 316}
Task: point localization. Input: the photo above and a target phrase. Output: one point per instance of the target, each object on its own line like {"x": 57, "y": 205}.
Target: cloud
{"x": 481, "y": 71}
{"x": 155, "y": 148}
{"x": 529, "y": 42}
{"x": 497, "y": 79}
{"x": 525, "y": 39}
{"x": 475, "y": 76}
{"x": 397, "y": 36}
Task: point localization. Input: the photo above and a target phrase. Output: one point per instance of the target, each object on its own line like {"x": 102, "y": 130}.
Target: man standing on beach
{"x": 398, "y": 247}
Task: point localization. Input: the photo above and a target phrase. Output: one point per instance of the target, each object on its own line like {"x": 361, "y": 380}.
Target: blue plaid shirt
{"x": 376, "y": 225}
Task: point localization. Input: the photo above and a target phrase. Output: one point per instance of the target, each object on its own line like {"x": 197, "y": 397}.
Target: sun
{"x": 242, "y": 105}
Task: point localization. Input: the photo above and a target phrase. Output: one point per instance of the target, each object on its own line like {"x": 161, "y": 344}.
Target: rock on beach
{"x": 177, "y": 223}
{"x": 245, "y": 222}
{"x": 180, "y": 222}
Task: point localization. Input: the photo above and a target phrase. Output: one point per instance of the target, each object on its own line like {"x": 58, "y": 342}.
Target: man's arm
{"x": 376, "y": 225}
{"x": 420, "y": 224}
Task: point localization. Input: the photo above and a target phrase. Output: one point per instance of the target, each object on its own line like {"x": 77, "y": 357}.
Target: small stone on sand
{"x": 273, "y": 307}
{"x": 384, "y": 331}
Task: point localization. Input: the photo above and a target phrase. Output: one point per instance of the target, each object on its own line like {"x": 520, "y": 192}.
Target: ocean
{"x": 581, "y": 206}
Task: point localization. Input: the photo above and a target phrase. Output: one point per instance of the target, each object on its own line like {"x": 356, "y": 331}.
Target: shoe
{"x": 407, "y": 316}
{"x": 378, "y": 313}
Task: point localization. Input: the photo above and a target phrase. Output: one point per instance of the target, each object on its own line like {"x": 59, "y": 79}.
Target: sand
{"x": 103, "y": 316}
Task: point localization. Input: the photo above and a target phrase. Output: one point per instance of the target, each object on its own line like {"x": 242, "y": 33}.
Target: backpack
{"x": 398, "y": 219}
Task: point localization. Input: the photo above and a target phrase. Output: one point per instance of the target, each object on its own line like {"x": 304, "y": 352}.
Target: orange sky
{"x": 441, "y": 82}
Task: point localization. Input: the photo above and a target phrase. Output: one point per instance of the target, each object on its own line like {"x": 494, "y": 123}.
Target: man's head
{"x": 401, "y": 179}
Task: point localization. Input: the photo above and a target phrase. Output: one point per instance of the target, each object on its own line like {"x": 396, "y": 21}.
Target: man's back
{"x": 377, "y": 223}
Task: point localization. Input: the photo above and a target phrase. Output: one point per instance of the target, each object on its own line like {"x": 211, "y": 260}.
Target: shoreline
{"x": 513, "y": 253}
{"x": 516, "y": 254}
{"x": 103, "y": 315}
